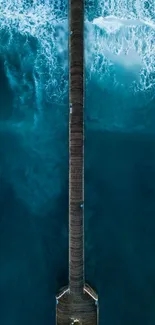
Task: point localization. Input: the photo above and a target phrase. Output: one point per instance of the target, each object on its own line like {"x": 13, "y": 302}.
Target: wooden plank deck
{"x": 77, "y": 301}
{"x": 83, "y": 308}
{"x": 76, "y": 145}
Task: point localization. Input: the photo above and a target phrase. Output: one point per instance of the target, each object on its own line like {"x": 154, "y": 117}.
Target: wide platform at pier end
{"x": 73, "y": 309}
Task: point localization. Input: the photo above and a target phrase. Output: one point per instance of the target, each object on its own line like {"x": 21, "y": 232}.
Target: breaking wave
{"x": 120, "y": 74}
{"x": 34, "y": 62}
{"x": 121, "y": 59}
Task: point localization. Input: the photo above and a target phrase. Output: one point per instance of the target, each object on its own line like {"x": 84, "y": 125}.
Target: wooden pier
{"x": 73, "y": 308}
{"x": 77, "y": 303}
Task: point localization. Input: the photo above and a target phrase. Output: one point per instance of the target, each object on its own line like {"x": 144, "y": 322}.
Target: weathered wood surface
{"x": 76, "y": 145}
{"x": 77, "y": 301}
{"x": 82, "y": 307}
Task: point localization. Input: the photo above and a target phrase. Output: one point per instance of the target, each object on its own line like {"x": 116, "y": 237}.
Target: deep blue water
{"x": 119, "y": 160}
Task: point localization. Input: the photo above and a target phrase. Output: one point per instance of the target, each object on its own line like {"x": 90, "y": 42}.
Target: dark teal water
{"x": 119, "y": 166}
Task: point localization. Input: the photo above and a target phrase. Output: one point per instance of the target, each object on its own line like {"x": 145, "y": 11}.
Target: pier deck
{"x": 83, "y": 308}
{"x": 76, "y": 302}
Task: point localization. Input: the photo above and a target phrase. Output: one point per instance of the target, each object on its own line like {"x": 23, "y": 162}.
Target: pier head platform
{"x": 79, "y": 309}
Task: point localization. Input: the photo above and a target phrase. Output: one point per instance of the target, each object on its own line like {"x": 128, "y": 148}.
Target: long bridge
{"x": 77, "y": 303}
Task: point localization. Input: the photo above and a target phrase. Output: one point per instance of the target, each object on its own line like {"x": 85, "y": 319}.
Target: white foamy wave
{"x": 112, "y": 23}
{"x": 122, "y": 37}
{"x": 34, "y": 52}
{"x": 131, "y": 9}
{"x": 21, "y": 25}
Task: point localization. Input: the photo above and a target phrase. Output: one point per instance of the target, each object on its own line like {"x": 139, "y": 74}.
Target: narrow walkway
{"x": 76, "y": 302}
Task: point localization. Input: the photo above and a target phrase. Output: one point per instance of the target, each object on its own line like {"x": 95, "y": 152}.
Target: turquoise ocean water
{"x": 119, "y": 158}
